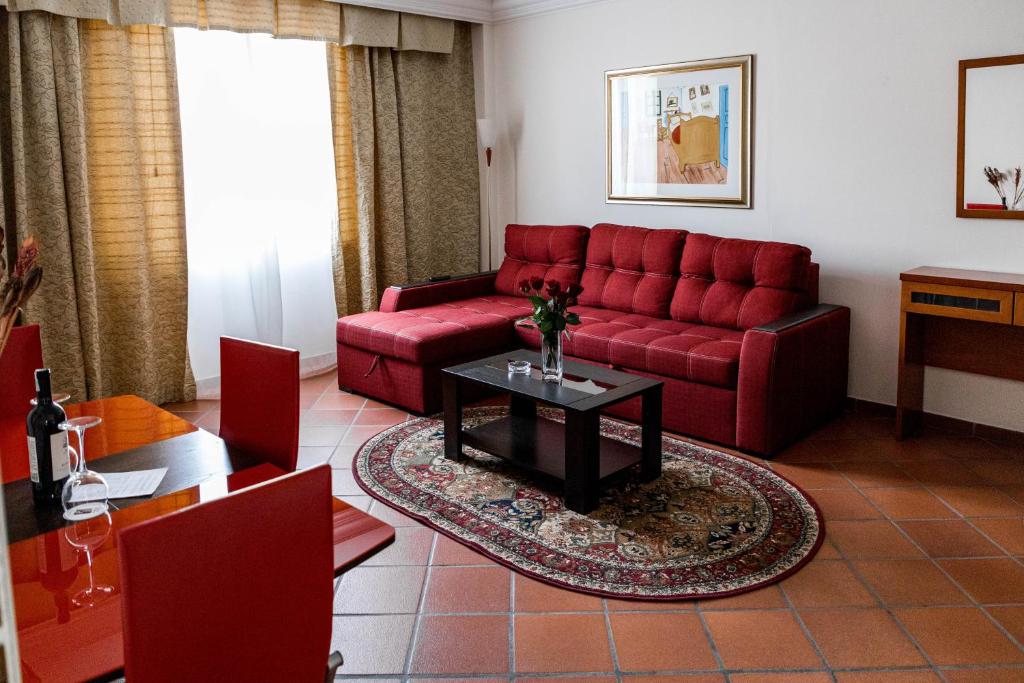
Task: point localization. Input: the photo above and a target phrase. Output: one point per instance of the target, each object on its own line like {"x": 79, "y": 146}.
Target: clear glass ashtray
{"x": 519, "y": 367}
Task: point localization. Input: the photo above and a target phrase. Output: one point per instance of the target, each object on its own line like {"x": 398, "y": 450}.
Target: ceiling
{"x": 480, "y": 11}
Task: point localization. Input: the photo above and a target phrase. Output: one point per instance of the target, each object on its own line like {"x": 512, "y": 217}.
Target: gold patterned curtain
{"x": 309, "y": 19}
{"x": 91, "y": 162}
{"x": 408, "y": 183}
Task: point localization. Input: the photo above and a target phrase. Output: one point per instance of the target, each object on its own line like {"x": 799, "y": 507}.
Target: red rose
{"x": 574, "y": 290}
{"x": 536, "y": 282}
{"x": 524, "y": 286}
{"x": 554, "y": 287}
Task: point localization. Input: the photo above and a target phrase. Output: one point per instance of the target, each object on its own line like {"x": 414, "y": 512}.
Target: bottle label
{"x": 33, "y": 462}
{"x": 60, "y": 456}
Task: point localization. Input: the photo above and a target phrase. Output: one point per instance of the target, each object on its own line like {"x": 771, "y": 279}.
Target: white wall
{"x": 854, "y": 137}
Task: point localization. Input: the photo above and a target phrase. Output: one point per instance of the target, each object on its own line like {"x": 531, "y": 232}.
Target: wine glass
{"x": 58, "y": 398}
{"x": 88, "y": 536}
{"x": 85, "y": 492}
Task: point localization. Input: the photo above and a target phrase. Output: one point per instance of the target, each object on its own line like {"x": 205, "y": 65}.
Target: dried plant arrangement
{"x": 19, "y": 285}
{"x": 1018, "y": 188}
{"x": 996, "y": 178}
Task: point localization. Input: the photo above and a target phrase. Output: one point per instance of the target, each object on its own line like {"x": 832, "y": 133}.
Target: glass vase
{"x": 551, "y": 357}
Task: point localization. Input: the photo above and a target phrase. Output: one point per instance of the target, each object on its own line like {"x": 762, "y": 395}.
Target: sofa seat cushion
{"x": 703, "y": 354}
{"x": 682, "y": 350}
{"x": 551, "y": 252}
{"x": 504, "y": 306}
{"x": 434, "y": 334}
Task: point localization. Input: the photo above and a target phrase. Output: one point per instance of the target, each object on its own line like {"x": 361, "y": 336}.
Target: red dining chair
{"x": 237, "y": 589}
{"x": 259, "y": 400}
{"x": 19, "y": 361}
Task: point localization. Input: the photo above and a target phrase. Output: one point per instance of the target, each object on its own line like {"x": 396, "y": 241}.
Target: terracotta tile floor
{"x": 920, "y": 578}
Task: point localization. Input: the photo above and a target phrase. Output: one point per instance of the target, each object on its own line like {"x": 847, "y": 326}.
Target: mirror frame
{"x": 961, "y": 210}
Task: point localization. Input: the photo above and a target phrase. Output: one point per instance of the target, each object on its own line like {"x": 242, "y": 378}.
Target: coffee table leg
{"x": 522, "y": 406}
{"x": 582, "y": 460}
{"x": 650, "y": 463}
{"x": 452, "y": 417}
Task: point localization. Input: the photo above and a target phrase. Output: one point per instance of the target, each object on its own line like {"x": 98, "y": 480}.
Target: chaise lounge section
{"x": 733, "y": 328}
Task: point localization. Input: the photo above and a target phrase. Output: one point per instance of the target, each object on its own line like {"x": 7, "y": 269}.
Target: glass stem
{"x": 81, "y": 449}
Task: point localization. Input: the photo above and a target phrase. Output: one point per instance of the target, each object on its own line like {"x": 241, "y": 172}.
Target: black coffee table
{"x": 574, "y": 453}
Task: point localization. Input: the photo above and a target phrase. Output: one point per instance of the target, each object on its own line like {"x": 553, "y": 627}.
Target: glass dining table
{"x": 65, "y": 576}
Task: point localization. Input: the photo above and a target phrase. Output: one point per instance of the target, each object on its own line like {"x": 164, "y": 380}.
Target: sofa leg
{"x": 334, "y": 661}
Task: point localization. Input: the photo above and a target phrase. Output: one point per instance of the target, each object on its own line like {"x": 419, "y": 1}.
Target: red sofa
{"x": 733, "y": 328}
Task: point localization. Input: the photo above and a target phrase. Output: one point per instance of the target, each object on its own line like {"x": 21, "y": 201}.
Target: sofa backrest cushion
{"x": 740, "y": 283}
{"x": 631, "y": 269}
{"x": 554, "y": 252}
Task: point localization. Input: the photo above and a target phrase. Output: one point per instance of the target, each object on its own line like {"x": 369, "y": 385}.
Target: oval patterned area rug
{"x": 712, "y": 525}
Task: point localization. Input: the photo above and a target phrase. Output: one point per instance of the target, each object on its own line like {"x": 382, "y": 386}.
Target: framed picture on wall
{"x": 990, "y": 138}
{"x": 701, "y": 158}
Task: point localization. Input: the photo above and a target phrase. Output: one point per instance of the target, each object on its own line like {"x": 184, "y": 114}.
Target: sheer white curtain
{"x": 260, "y": 195}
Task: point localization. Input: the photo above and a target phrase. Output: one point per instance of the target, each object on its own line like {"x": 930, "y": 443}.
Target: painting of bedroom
{"x": 693, "y": 133}
{"x": 680, "y": 132}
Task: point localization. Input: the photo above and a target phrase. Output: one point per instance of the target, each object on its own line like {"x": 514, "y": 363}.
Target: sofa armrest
{"x": 792, "y": 377}
{"x": 437, "y": 291}
{"x": 805, "y": 316}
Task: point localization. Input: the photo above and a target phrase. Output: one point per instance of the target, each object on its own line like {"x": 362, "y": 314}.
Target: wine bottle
{"x": 48, "y": 461}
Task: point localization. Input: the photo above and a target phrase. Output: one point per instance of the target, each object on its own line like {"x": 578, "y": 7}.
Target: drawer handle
{"x": 951, "y": 301}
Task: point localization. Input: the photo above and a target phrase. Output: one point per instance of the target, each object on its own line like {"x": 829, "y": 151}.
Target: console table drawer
{"x": 990, "y": 305}
{"x": 1018, "y": 308}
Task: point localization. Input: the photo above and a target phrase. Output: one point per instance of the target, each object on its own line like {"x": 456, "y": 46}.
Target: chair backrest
{"x": 22, "y": 356}
{"x": 259, "y": 400}
{"x": 237, "y": 589}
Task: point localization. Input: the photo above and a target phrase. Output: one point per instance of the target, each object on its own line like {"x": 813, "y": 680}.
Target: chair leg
{"x": 334, "y": 661}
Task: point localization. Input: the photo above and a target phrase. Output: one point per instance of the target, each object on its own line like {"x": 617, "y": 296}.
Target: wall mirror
{"x": 990, "y": 138}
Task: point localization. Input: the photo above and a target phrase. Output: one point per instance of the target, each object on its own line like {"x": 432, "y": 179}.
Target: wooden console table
{"x": 965, "y": 320}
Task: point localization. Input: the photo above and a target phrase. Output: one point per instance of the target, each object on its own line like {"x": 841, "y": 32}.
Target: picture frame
{"x": 989, "y": 93}
{"x": 701, "y": 159}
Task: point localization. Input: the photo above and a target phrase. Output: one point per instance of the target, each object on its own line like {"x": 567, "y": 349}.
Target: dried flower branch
{"x": 995, "y": 178}
{"x": 1018, "y": 187}
{"x": 20, "y": 285}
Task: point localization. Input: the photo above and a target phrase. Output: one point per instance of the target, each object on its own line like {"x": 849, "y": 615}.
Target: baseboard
{"x": 209, "y": 387}
{"x": 940, "y": 423}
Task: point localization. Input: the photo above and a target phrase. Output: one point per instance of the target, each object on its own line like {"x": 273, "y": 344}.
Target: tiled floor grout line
{"x": 511, "y": 624}
{"x": 682, "y": 673}
{"x": 709, "y": 636}
{"x": 614, "y": 613}
{"x": 512, "y": 675}
{"x": 410, "y": 653}
{"x": 981, "y": 606}
{"x": 807, "y": 632}
{"x": 874, "y": 594}
{"x": 612, "y": 650}
{"x": 968, "y": 520}
{"x": 935, "y": 564}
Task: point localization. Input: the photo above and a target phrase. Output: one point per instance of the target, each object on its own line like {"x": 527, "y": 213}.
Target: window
{"x": 260, "y": 194}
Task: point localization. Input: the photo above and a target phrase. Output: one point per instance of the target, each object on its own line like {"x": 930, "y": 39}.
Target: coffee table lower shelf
{"x": 538, "y": 444}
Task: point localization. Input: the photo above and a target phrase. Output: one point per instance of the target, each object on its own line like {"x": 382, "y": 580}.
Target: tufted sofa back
{"x": 552, "y": 252}
{"x": 631, "y": 269}
{"x": 741, "y": 283}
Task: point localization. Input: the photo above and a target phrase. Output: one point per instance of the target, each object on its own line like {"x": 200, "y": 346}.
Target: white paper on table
{"x": 124, "y": 485}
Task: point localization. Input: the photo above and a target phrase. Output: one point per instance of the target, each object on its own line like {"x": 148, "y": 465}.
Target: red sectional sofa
{"x": 733, "y": 328}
